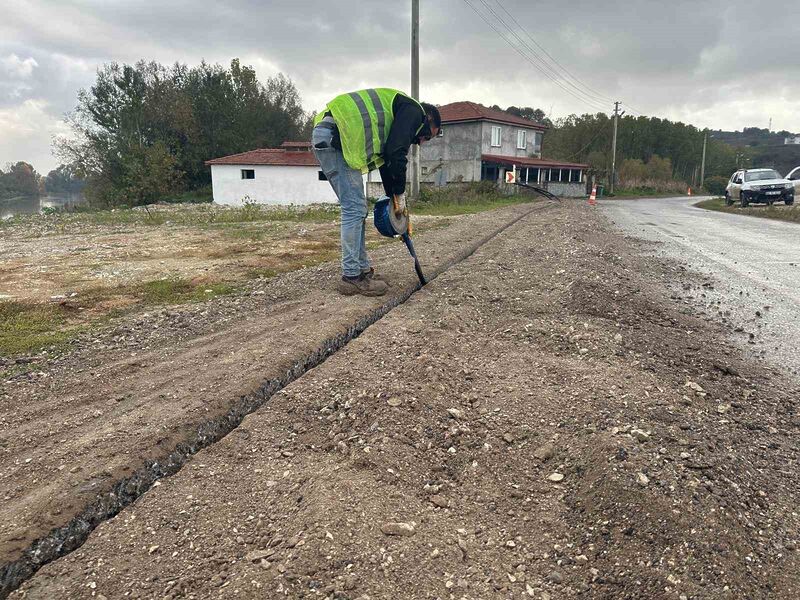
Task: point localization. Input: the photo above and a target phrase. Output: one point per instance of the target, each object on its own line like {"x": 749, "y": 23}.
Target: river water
{"x": 28, "y": 205}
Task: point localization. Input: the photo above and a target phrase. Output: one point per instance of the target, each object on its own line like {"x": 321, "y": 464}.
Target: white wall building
{"x": 791, "y": 140}
{"x": 286, "y": 175}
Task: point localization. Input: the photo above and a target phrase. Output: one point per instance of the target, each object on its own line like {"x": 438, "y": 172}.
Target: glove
{"x": 399, "y": 204}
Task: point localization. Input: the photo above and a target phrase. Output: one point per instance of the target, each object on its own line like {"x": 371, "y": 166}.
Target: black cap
{"x": 433, "y": 112}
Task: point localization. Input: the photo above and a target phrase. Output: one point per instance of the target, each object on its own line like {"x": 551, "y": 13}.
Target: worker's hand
{"x": 399, "y": 204}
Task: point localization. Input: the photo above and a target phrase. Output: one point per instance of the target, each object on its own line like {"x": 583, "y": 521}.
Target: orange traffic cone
{"x": 593, "y": 196}
{"x": 689, "y": 192}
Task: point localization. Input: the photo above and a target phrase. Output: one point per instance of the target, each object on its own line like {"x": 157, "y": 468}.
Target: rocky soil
{"x": 128, "y": 395}
{"x": 541, "y": 421}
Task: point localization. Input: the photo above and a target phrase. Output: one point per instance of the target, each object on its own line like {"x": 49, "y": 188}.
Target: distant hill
{"x": 762, "y": 147}
{"x": 751, "y": 136}
{"x": 781, "y": 158}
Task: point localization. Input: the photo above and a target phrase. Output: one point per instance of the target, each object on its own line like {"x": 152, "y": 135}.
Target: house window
{"x": 495, "y": 136}
{"x": 553, "y": 174}
{"x": 575, "y": 176}
{"x": 533, "y": 176}
{"x": 248, "y": 173}
{"x": 321, "y": 176}
{"x": 537, "y": 143}
{"x": 424, "y": 170}
{"x": 522, "y": 143}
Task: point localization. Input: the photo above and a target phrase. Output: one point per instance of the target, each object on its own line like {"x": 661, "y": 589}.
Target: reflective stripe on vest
{"x": 364, "y": 119}
{"x": 376, "y": 102}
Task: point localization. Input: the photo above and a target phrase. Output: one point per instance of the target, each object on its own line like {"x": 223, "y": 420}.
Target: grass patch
{"x": 466, "y": 208}
{"x": 203, "y": 195}
{"x": 175, "y": 215}
{"x": 178, "y": 291}
{"x": 643, "y": 192}
{"x": 464, "y": 199}
{"x": 29, "y": 327}
{"x": 778, "y": 212}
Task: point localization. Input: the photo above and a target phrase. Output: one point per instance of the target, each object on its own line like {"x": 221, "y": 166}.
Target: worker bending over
{"x": 357, "y": 133}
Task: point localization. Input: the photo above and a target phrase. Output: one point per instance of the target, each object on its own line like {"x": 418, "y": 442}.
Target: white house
{"x": 286, "y": 175}
{"x": 791, "y": 140}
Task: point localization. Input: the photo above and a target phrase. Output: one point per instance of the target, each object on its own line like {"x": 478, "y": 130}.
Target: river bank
{"x": 31, "y": 205}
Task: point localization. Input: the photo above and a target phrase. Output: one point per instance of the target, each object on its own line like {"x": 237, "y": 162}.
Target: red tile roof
{"x": 296, "y": 145}
{"x": 268, "y": 156}
{"x": 531, "y": 162}
{"x": 459, "y": 112}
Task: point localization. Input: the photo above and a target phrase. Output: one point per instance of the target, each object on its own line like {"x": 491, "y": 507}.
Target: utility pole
{"x": 614, "y": 150}
{"x": 703, "y": 162}
{"x": 415, "y": 93}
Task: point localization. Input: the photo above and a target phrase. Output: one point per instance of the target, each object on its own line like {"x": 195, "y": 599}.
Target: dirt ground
{"x": 543, "y": 420}
{"x": 126, "y": 396}
{"x": 89, "y": 259}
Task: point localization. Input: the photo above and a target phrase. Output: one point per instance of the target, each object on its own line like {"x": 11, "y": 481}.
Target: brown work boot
{"x": 366, "y": 286}
{"x": 371, "y": 274}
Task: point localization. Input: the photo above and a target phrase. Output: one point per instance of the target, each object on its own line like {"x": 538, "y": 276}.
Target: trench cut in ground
{"x": 63, "y": 540}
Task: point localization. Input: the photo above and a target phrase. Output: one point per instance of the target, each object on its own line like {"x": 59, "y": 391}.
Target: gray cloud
{"x": 716, "y": 64}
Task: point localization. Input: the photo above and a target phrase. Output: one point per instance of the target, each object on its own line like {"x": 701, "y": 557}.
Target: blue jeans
{"x": 348, "y": 184}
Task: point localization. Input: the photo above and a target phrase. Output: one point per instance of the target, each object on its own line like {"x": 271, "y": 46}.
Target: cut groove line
{"x": 67, "y": 538}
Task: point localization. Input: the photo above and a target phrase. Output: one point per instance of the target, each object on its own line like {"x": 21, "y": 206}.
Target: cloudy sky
{"x": 722, "y": 63}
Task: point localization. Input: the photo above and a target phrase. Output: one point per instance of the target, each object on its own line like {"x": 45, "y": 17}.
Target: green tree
{"x": 62, "y": 179}
{"x": 144, "y": 131}
{"x": 659, "y": 168}
{"x": 632, "y": 169}
{"x": 716, "y": 185}
{"x": 587, "y": 138}
{"x": 532, "y": 114}
{"x": 20, "y": 179}
{"x": 151, "y": 173}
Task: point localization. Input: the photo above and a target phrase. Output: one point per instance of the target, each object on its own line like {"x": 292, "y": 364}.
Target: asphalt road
{"x": 754, "y": 265}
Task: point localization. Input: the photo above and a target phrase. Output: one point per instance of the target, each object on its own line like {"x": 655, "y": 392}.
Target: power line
{"x": 552, "y": 73}
{"x": 640, "y": 113}
{"x": 564, "y": 74}
{"x": 562, "y": 67}
{"x": 527, "y": 58}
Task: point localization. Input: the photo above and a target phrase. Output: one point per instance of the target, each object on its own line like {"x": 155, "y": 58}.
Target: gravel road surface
{"x": 753, "y": 265}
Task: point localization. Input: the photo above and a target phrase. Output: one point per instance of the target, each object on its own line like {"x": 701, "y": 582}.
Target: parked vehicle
{"x": 766, "y": 186}
{"x": 794, "y": 177}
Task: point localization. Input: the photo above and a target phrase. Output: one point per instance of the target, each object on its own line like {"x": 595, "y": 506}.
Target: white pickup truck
{"x": 759, "y": 185}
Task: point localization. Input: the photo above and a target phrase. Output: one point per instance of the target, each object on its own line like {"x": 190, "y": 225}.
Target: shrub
{"x": 455, "y": 193}
{"x": 716, "y": 185}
